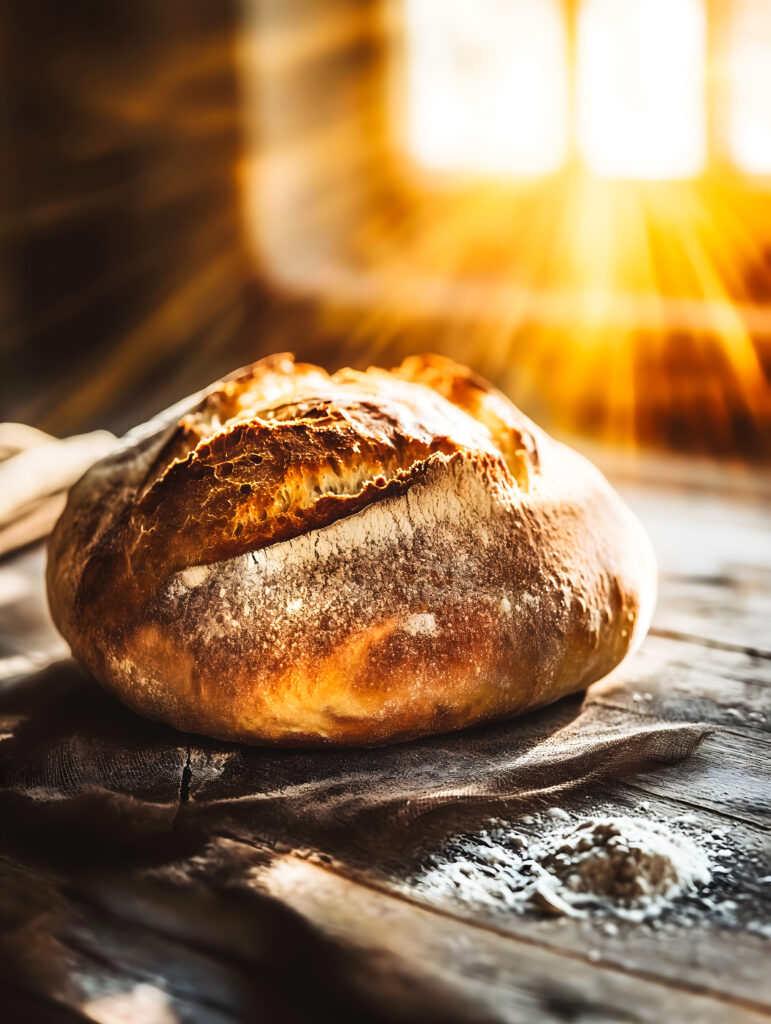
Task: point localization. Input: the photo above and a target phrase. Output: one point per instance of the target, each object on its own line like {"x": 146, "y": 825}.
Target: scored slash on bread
{"x": 285, "y": 448}
{"x": 350, "y": 558}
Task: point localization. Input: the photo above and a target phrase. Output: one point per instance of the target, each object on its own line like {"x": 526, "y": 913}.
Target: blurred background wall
{"x": 126, "y": 280}
{"x": 186, "y": 186}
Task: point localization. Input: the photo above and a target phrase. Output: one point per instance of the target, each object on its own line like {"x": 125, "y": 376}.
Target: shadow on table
{"x": 107, "y": 784}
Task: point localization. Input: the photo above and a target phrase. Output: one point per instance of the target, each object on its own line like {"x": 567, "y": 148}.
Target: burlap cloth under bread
{"x": 75, "y": 757}
{"x": 71, "y": 754}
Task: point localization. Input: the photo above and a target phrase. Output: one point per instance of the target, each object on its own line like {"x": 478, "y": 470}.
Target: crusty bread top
{"x": 211, "y": 573}
{"x": 282, "y": 448}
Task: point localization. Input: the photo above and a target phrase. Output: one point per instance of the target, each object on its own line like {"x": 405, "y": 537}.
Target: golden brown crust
{"x": 355, "y": 558}
{"x": 284, "y": 449}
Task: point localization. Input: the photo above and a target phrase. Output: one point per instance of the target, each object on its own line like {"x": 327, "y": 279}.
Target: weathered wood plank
{"x": 701, "y": 535}
{"x": 668, "y": 949}
{"x": 715, "y": 562}
{"x": 497, "y": 976}
{"x": 686, "y": 681}
{"x": 731, "y": 482}
{"x": 727, "y": 774}
{"x": 732, "y": 612}
{"x": 124, "y": 948}
{"x": 714, "y": 610}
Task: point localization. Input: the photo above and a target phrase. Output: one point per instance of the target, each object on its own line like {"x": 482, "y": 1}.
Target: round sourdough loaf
{"x": 293, "y": 557}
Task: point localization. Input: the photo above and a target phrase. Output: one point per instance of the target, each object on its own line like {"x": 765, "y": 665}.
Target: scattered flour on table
{"x": 625, "y": 867}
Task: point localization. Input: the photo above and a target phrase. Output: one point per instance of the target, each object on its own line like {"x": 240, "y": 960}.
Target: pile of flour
{"x": 626, "y": 867}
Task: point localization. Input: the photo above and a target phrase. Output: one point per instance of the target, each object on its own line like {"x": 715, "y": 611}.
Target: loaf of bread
{"x": 355, "y": 559}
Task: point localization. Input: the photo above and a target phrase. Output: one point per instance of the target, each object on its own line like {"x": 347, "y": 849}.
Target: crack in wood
{"x": 681, "y": 985}
{"x": 184, "y": 787}
{"x": 720, "y": 645}
{"x": 754, "y": 734}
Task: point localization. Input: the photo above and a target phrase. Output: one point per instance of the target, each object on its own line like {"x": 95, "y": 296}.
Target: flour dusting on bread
{"x": 308, "y": 558}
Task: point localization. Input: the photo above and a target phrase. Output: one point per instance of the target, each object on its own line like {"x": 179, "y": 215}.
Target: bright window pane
{"x": 487, "y": 85}
{"x": 640, "y": 87}
{"x": 749, "y": 74}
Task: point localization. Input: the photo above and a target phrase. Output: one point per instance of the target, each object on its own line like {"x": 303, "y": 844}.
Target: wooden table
{"x": 157, "y": 923}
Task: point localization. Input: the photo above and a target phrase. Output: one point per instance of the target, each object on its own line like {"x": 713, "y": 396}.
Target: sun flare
{"x": 572, "y": 197}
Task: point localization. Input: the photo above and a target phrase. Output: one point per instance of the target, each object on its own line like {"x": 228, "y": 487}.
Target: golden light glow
{"x": 749, "y": 83}
{"x": 625, "y": 305}
{"x": 486, "y": 85}
{"x": 640, "y": 87}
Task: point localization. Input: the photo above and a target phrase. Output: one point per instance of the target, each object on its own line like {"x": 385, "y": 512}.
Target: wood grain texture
{"x": 187, "y": 896}
{"x": 504, "y": 978}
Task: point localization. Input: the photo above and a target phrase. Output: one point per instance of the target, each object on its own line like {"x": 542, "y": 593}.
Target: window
{"x": 487, "y": 85}
{"x": 749, "y": 86}
{"x": 522, "y": 87}
{"x": 640, "y": 87}
{"x": 432, "y": 158}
